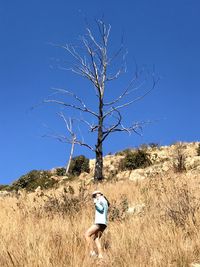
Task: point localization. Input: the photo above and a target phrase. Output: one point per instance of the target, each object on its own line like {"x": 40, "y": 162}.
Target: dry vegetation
{"x": 37, "y": 230}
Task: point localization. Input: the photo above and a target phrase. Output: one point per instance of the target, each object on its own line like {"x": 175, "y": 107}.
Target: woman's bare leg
{"x": 93, "y": 230}
{"x": 98, "y": 244}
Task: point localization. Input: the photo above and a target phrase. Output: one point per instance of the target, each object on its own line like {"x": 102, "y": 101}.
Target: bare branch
{"x": 136, "y": 128}
{"x": 64, "y": 139}
{"x": 104, "y": 31}
{"x": 71, "y": 50}
{"x": 60, "y": 90}
{"x": 81, "y": 143}
{"x": 114, "y": 77}
{"x": 112, "y": 128}
{"x": 68, "y": 124}
{"x": 93, "y": 39}
{"x": 84, "y": 109}
{"x": 116, "y": 54}
{"x": 138, "y": 98}
{"x": 74, "y": 139}
{"x": 130, "y": 102}
{"x": 92, "y": 127}
{"x": 125, "y": 92}
{"x": 95, "y": 68}
{"x": 82, "y": 68}
{"x": 119, "y": 127}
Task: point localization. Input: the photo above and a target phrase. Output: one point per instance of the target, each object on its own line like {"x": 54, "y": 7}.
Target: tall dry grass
{"x": 165, "y": 233}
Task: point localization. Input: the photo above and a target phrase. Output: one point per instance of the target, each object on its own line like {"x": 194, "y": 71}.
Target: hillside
{"x": 153, "y": 220}
{"x": 164, "y": 159}
{"x": 153, "y": 160}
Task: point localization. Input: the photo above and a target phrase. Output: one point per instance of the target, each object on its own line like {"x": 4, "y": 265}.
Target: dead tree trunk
{"x": 98, "y": 173}
{"x": 70, "y": 156}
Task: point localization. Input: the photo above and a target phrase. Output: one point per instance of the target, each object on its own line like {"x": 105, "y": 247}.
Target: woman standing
{"x": 94, "y": 233}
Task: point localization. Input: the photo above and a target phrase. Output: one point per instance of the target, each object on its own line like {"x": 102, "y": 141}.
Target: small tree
{"x": 71, "y": 139}
{"x": 92, "y": 61}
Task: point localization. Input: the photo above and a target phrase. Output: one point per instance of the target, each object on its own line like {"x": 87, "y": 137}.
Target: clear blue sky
{"x": 157, "y": 32}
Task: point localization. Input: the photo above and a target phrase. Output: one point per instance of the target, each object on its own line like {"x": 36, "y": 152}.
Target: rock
{"x": 166, "y": 167}
{"x": 123, "y": 175}
{"x": 39, "y": 191}
{"x": 4, "y": 193}
{"x": 137, "y": 175}
{"x": 192, "y": 162}
{"x": 136, "y": 209}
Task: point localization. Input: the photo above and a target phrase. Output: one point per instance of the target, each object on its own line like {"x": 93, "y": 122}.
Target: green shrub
{"x": 3, "y": 187}
{"x": 33, "y": 179}
{"x": 78, "y": 165}
{"x": 154, "y": 145}
{"x": 198, "y": 150}
{"x": 60, "y": 171}
{"x": 123, "y": 152}
{"x": 134, "y": 160}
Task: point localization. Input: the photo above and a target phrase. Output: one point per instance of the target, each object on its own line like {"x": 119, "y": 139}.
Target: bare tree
{"x": 69, "y": 137}
{"x": 72, "y": 140}
{"x": 93, "y": 61}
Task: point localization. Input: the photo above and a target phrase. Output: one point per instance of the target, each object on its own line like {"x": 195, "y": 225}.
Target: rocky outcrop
{"x": 163, "y": 159}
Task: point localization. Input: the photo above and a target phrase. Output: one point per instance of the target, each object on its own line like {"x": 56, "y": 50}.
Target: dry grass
{"x": 165, "y": 234}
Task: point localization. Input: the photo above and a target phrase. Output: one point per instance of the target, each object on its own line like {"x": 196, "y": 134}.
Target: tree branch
{"x": 130, "y": 102}
{"x": 85, "y": 109}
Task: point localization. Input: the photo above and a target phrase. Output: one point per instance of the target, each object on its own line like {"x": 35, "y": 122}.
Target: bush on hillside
{"x": 68, "y": 203}
{"x": 179, "y": 158}
{"x": 143, "y": 147}
{"x": 123, "y": 152}
{"x": 154, "y": 145}
{"x": 135, "y": 160}
{"x": 3, "y": 187}
{"x": 32, "y": 180}
{"x": 60, "y": 171}
{"x": 78, "y": 165}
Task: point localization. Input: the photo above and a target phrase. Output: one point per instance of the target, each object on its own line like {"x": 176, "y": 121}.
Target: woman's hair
{"x": 107, "y": 201}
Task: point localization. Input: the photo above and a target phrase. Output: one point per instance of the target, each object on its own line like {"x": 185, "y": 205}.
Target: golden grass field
{"x": 165, "y": 233}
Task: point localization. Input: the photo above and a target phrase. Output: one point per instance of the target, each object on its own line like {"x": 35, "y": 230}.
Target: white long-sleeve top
{"x": 101, "y": 210}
